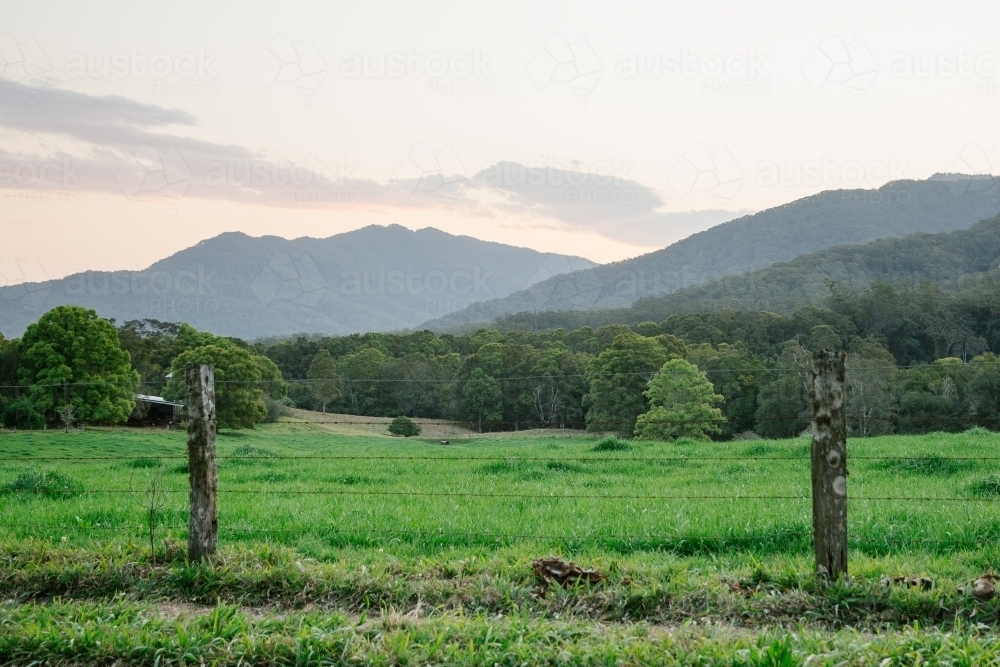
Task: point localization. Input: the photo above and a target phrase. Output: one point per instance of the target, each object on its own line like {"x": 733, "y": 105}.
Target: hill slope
{"x": 371, "y": 279}
{"x": 950, "y": 259}
{"x": 942, "y": 203}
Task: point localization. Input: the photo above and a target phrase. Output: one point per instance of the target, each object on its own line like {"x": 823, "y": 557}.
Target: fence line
{"x": 180, "y": 528}
{"x": 512, "y": 459}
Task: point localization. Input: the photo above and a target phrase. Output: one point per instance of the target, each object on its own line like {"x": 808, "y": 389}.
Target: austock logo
{"x": 285, "y": 279}
{"x": 184, "y": 74}
{"x": 312, "y": 182}
{"x": 601, "y": 182}
{"x": 836, "y": 62}
{"x": 427, "y": 171}
{"x": 161, "y": 292}
{"x": 972, "y": 172}
{"x": 565, "y": 63}
{"x": 458, "y": 74}
{"x": 42, "y": 181}
{"x": 702, "y": 170}
{"x": 23, "y": 281}
{"x": 299, "y": 281}
{"x": 152, "y": 172}
{"x": 734, "y": 73}
{"x": 23, "y": 62}
{"x": 284, "y": 61}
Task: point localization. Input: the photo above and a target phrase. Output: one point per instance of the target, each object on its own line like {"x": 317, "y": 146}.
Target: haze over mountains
{"x": 941, "y": 203}
{"x": 371, "y": 279}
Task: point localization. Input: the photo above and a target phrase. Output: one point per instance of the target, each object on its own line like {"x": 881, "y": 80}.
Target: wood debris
{"x": 983, "y": 588}
{"x": 563, "y": 573}
{"x": 925, "y": 583}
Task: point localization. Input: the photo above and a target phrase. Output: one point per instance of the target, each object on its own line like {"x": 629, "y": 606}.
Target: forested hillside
{"x": 779, "y": 234}
{"x": 919, "y": 359}
{"x": 954, "y": 261}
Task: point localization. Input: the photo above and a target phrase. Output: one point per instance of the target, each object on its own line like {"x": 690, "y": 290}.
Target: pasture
{"x": 335, "y": 540}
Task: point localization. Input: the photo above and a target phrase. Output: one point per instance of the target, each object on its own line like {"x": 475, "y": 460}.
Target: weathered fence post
{"x": 203, "y": 525}
{"x": 829, "y": 462}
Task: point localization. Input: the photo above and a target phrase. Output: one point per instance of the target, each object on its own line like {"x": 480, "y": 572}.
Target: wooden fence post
{"x": 829, "y": 462}
{"x": 203, "y": 524}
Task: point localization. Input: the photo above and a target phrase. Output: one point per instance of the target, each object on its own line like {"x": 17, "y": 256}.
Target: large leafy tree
{"x": 72, "y": 357}
{"x": 323, "y": 378}
{"x": 238, "y": 388}
{"x": 871, "y": 377}
{"x": 985, "y": 390}
{"x": 783, "y": 409}
{"x": 360, "y": 374}
{"x": 736, "y": 376}
{"x": 682, "y": 404}
{"x": 482, "y": 398}
{"x": 617, "y": 379}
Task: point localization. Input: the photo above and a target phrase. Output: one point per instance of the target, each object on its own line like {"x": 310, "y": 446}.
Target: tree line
{"x": 919, "y": 360}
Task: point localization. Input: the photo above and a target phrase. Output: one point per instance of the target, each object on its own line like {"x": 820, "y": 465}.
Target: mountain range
{"x": 391, "y": 278}
{"x": 371, "y": 279}
{"x": 944, "y": 202}
{"x": 951, "y": 260}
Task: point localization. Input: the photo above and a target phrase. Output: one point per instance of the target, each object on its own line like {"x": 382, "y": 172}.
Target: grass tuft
{"x": 144, "y": 463}
{"x": 988, "y": 487}
{"x": 923, "y": 465}
{"x": 612, "y": 444}
{"x": 45, "y": 483}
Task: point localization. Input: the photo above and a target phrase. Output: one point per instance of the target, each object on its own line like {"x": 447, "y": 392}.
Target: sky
{"x": 129, "y": 131}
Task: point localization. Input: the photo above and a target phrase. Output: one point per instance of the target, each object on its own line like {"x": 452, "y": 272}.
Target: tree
{"x": 936, "y": 397}
{"x": 871, "y": 373}
{"x": 736, "y": 375}
{"x": 360, "y": 373}
{"x": 325, "y": 383}
{"x": 682, "y": 403}
{"x": 73, "y": 357}
{"x": 783, "y": 408}
{"x": 404, "y": 426}
{"x": 985, "y": 390}
{"x": 239, "y": 397}
{"x": 617, "y": 379}
{"x": 482, "y": 398}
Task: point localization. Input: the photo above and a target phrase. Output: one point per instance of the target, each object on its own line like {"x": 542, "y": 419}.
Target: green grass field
{"x": 388, "y": 550}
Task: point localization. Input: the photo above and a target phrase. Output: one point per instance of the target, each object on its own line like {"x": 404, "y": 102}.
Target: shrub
{"x": 404, "y": 426}
{"x": 612, "y": 444}
{"x": 988, "y": 487}
{"x": 45, "y": 483}
{"x": 22, "y": 412}
{"x": 277, "y": 408}
{"x": 978, "y": 430}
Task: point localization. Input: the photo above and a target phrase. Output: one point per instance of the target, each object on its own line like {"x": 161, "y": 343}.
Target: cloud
{"x": 598, "y": 198}
{"x": 143, "y": 150}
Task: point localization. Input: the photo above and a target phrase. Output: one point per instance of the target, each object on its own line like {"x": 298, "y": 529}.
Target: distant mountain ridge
{"x": 944, "y": 202}
{"x": 952, "y": 260}
{"x": 371, "y": 279}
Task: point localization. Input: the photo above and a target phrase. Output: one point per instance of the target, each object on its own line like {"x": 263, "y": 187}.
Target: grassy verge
{"x": 740, "y": 590}
{"x": 123, "y": 632}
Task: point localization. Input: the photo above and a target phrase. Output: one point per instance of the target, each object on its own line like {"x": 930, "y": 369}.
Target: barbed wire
{"x": 360, "y": 532}
{"x": 539, "y": 496}
{"x": 511, "y": 459}
{"x": 607, "y": 425}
